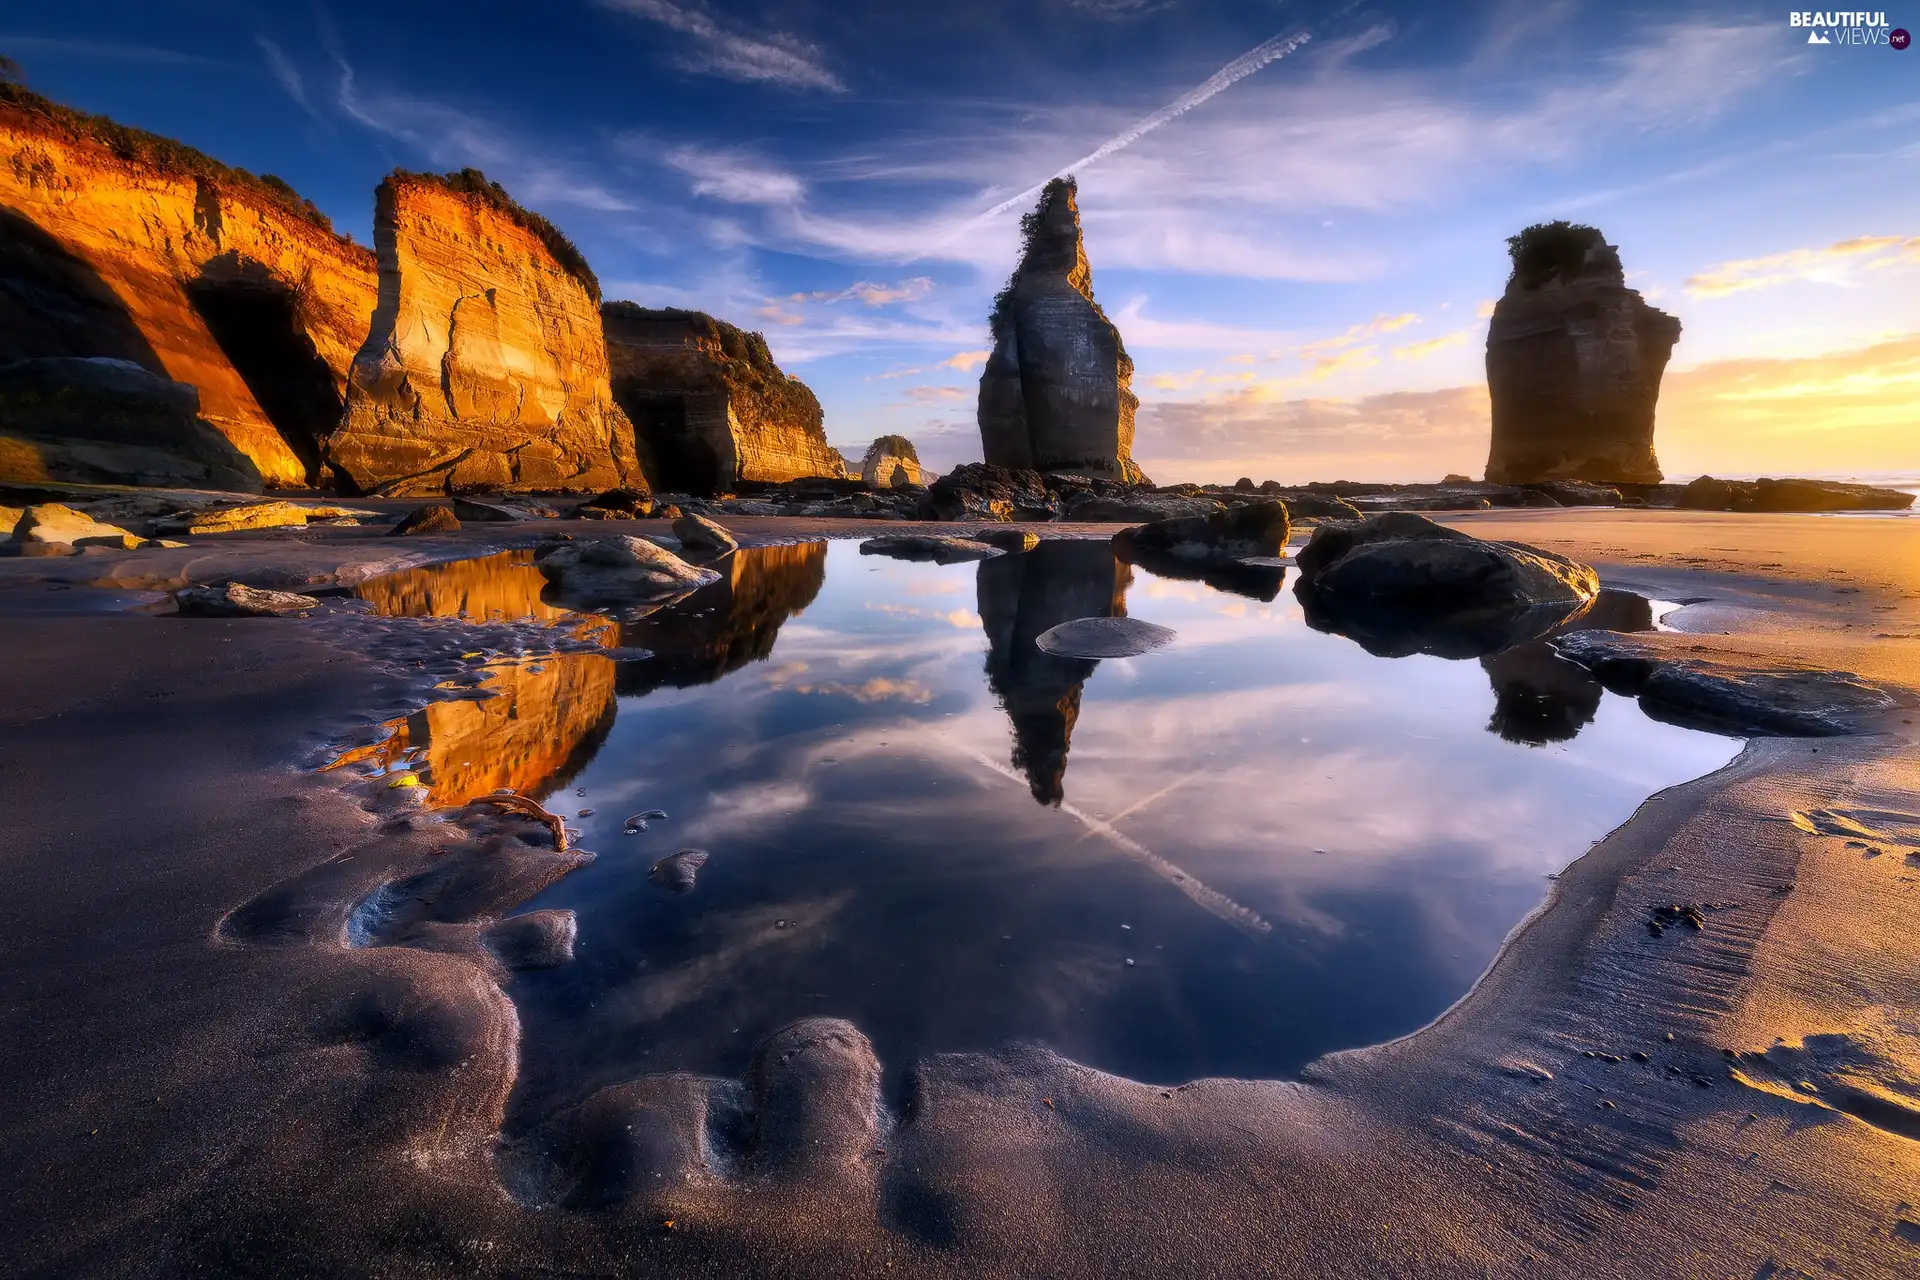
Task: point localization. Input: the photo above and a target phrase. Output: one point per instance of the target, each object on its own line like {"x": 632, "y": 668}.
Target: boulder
{"x": 478, "y": 512}
{"x": 50, "y": 523}
{"x": 891, "y": 462}
{"x": 1454, "y": 477}
{"x": 252, "y": 515}
{"x": 619, "y": 568}
{"x": 236, "y": 601}
{"x": 625, "y": 501}
{"x": 1055, "y": 394}
{"x": 677, "y": 871}
{"x": 1235, "y": 533}
{"x": 709, "y": 406}
{"x": 432, "y": 518}
{"x": 982, "y": 491}
{"x": 934, "y": 547}
{"x": 1576, "y": 493}
{"x": 1727, "y": 695}
{"x": 1399, "y": 584}
{"x": 103, "y": 421}
{"x": 1574, "y": 360}
{"x": 698, "y": 533}
{"x": 484, "y": 368}
{"x": 1782, "y": 496}
{"x": 1303, "y": 504}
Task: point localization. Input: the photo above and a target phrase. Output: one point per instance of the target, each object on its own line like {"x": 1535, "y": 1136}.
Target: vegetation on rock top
{"x": 150, "y": 150}
{"x": 472, "y": 182}
{"x": 1549, "y": 250}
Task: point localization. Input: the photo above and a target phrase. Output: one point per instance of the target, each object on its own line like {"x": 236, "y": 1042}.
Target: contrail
{"x": 1239, "y": 69}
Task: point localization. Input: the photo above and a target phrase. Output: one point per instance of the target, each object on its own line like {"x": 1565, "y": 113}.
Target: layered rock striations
{"x": 1055, "y": 393}
{"x": 121, "y": 245}
{"x": 1020, "y": 598}
{"x": 708, "y": 404}
{"x": 1574, "y": 360}
{"x": 484, "y": 368}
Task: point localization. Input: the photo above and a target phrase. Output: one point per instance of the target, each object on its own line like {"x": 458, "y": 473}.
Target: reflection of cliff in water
{"x": 726, "y": 624}
{"x": 544, "y": 723}
{"x": 1021, "y": 596}
{"x": 504, "y": 587}
{"x": 1540, "y": 697}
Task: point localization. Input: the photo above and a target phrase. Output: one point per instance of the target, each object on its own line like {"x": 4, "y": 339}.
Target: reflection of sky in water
{"x": 1300, "y": 847}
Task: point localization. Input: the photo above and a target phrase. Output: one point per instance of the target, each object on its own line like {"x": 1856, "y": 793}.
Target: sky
{"x": 1296, "y": 212}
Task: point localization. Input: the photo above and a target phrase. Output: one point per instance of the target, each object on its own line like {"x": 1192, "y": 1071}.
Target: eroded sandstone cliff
{"x": 1056, "y": 394}
{"x": 1574, "y": 360}
{"x": 891, "y": 462}
{"x": 484, "y": 368}
{"x": 122, "y": 245}
{"x": 709, "y": 405}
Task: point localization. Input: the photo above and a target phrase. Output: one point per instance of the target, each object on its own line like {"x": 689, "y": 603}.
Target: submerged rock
{"x": 432, "y": 518}
{"x": 237, "y": 601}
{"x": 1056, "y": 394}
{"x": 619, "y": 568}
{"x": 925, "y": 546}
{"x": 1234, "y": 533}
{"x": 1104, "y": 638}
{"x": 891, "y": 462}
{"x": 1399, "y": 584}
{"x": 1726, "y": 695}
{"x": 698, "y": 533}
{"x": 1574, "y": 360}
{"x": 678, "y": 871}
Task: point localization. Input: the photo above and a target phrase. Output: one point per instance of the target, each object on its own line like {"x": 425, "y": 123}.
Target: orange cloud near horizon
{"x": 1852, "y": 411}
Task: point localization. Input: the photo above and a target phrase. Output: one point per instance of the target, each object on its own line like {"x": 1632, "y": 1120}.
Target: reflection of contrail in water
{"x": 1209, "y": 900}
{"x": 1237, "y": 70}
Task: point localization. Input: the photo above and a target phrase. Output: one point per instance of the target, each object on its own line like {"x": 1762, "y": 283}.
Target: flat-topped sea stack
{"x": 1574, "y": 359}
{"x": 484, "y": 368}
{"x": 121, "y": 245}
{"x": 1055, "y": 394}
{"x": 709, "y": 405}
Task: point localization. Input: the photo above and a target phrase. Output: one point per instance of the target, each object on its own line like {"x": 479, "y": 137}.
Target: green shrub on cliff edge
{"x": 898, "y": 446}
{"x": 150, "y": 150}
{"x": 1030, "y": 223}
{"x": 472, "y": 182}
{"x": 1547, "y": 250}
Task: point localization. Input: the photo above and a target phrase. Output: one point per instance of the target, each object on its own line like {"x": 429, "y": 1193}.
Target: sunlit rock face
{"x": 732, "y": 622}
{"x": 1574, "y": 360}
{"x": 505, "y": 587}
{"x": 891, "y": 462}
{"x": 149, "y": 255}
{"x": 484, "y": 369}
{"x": 1056, "y": 394}
{"x": 1020, "y": 597}
{"x": 709, "y": 406}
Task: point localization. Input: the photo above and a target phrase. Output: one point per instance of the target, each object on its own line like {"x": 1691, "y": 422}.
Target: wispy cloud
{"x": 288, "y": 77}
{"x": 1421, "y": 350}
{"x": 966, "y": 361}
{"x": 871, "y": 293}
{"x": 104, "y": 51}
{"x": 773, "y": 58}
{"x": 735, "y": 176}
{"x": 1837, "y": 263}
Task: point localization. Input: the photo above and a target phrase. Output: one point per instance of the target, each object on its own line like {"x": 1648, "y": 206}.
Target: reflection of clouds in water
{"x": 739, "y": 942}
{"x": 952, "y": 617}
{"x": 746, "y": 810}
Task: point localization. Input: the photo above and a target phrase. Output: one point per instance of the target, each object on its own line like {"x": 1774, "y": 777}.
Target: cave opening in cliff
{"x": 682, "y": 462}
{"x": 256, "y": 320}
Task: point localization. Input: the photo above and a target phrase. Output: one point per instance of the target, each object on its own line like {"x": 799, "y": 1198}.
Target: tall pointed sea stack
{"x": 485, "y": 368}
{"x": 1055, "y": 395}
{"x": 1574, "y": 359}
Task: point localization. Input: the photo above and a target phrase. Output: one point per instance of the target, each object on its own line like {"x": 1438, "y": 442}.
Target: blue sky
{"x": 1299, "y": 262}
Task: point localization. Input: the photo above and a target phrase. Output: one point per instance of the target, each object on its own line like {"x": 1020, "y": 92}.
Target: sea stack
{"x": 485, "y": 368}
{"x": 121, "y": 248}
{"x": 891, "y": 462}
{"x": 1574, "y": 359}
{"x": 1055, "y": 394}
{"x": 709, "y": 405}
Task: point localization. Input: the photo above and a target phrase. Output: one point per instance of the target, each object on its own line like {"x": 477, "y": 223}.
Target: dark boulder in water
{"x": 1104, "y": 638}
{"x": 1234, "y": 533}
{"x": 678, "y": 871}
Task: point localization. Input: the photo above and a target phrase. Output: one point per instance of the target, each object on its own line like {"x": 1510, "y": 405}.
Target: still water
{"x": 1226, "y": 857}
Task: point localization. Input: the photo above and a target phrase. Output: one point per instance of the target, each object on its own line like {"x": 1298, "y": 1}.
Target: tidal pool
{"x": 1226, "y": 857}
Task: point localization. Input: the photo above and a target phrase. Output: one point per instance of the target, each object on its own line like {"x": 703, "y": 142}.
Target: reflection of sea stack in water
{"x": 1540, "y": 697}
{"x": 1019, "y": 598}
{"x": 724, "y": 626}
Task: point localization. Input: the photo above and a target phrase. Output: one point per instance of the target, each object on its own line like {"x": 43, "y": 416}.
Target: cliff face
{"x": 709, "y": 406}
{"x": 1020, "y": 597}
{"x": 1574, "y": 360}
{"x": 484, "y": 368}
{"x": 1055, "y": 395}
{"x": 120, "y": 245}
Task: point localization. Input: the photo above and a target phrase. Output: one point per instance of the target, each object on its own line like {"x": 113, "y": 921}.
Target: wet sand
{"x": 201, "y": 1076}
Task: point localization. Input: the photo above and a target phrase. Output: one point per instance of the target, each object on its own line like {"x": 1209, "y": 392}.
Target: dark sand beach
{"x": 204, "y": 1078}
